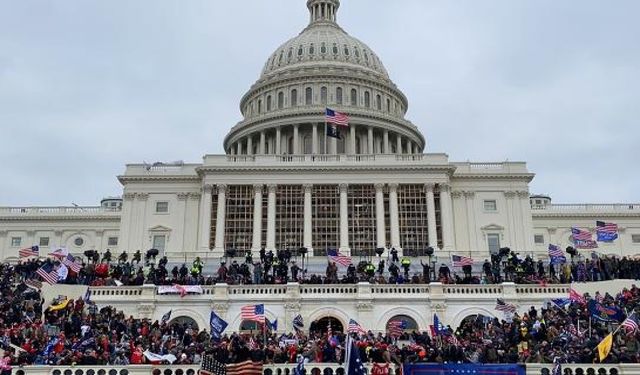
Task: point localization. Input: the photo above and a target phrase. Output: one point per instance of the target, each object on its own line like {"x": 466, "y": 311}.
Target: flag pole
{"x": 325, "y": 136}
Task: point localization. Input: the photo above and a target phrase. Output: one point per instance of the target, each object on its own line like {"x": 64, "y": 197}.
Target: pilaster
{"x": 431, "y": 215}
{"x": 271, "y": 217}
{"x": 344, "y": 220}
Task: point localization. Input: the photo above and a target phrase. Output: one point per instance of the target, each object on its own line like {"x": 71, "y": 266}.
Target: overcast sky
{"x": 87, "y": 86}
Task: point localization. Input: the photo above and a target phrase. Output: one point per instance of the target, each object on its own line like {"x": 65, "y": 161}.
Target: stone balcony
{"x": 59, "y": 212}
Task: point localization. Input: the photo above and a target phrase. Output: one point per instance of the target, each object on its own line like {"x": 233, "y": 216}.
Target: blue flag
{"x": 217, "y": 326}
{"x": 438, "y": 327}
{"x": 353, "y": 363}
{"x": 299, "y": 370}
{"x": 332, "y": 131}
{"x": 561, "y": 302}
{"x": 605, "y": 313}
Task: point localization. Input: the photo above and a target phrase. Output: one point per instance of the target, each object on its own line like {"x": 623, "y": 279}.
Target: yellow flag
{"x": 605, "y": 347}
{"x": 60, "y": 306}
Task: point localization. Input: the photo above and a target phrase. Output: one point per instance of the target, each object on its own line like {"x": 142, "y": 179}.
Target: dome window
{"x": 354, "y": 97}
{"x": 323, "y": 48}
{"x": 280, "y": 100}
{"x": 323, "y": 95}
{"x": 312, "y": 49}
{"x": 268, "y": 103}
{"x": 356, "y": 51}
{"x": 281, "y": 57}
{"x": 366, "y": 56}
{"x": 389, "y": 105}
{"x": 308, "y": 96}
{"x": 290, "y": 55}
{"x": 300, "y": 51}
{"x": 339, "y": 95}
{"x": 346, "y": 50}
{"x": 294, "y": 97}
{"x": 259, "y": 106}
{"x": 367, "y": 99}
{"x": 335, "y": 49}
{"x": 379, "y": 102}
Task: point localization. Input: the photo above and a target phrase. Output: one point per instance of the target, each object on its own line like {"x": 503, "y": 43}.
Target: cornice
{"x": 61, "y": 217}
{"x": 528, "y": 177}
{"x": 274, "y": 168}
{"x": 128, "y": 179}
{"x": 589, "y": 214}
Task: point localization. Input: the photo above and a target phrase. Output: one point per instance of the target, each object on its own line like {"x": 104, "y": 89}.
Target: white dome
{"x": 323, "y": 42}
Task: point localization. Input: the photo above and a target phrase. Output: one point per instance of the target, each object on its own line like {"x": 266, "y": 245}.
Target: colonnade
{"x": 372, "y": 141}
{"x": 381, "y": 240}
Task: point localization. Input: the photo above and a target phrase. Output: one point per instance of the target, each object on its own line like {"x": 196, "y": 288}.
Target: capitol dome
{"x": 323, "y": 67}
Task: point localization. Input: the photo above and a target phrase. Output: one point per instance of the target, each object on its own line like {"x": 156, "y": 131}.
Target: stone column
{"x": 431, "y": 215}
{"x": 239, "y": 148}
{"x": 511, "y": 213}
{"x": 409, "y": 147}
{"x": 385, "y": 142}
{"x": 278, "y": 150}
{"x": 296, "y": 141}
{"x": 471, "y": 221}
{"x": 263, "y": 140}
{"x": 399, "y": 144}
{"x": 344, "y": 220}
{"x": 352, "y": 139}
{"x": 395, "y": 219}
{"x": 370, "y": 140}
{"x": 250, "y": 145}
{"x": 333, "y": 145}
{"x": 446, "y": 208}
{"x": 381, "y": 240}
{"x": 271, "y": 218}
{"x": 257, "y": 217}
{"x": 308, "y": 216}
{"x": 205, "y": 217}
{"x": 314, "y": 139}
{"x": 220, "y": 219}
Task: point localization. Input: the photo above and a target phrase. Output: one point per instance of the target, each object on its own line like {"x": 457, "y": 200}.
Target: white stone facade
{"x": 283, "y": 184}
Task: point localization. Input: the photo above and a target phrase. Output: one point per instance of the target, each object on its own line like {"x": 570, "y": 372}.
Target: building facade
{"x": 282, "y": 183}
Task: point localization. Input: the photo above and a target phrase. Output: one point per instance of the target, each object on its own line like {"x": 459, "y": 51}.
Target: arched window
{"x": 323, "y": 48}
{"x": 367, "y": 99}
{"x": 290, "y": 146}
{"x": 379, "y": 102}
{"x": 402, "y": 323}
{"x": 290, "y": 54}
{"x": 323, "y": 95}
{"x": 335, "y": 49}
{"x": 312, "y": 49}
{"x": 259, "y": 106}
{"x": 294, "y": 97}
{"x": 307, "y": 144}
{"x": 354, "y": 97}
{"x": 249, "y": 325}
{"x": 346, "y": 50}
{"x": 358, "y": 146}
{"x": 268, "y": 103}
{"x": 339, "y": 95}
{"x": 280, "y": 100}
{"x": 300, "y": 51}
{"x": 308, "y": 96}
{"x": 389, "y": 105}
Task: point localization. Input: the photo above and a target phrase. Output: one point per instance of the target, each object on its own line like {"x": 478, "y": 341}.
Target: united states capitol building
{"x": 281, "y": 184}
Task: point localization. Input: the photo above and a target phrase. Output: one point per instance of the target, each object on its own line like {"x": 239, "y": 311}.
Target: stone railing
{"x": 370, "y": 159}
{"x": 312, "y": 368}
{"x": 491, "y": 168}
{"x": 591, "y": 208}
{"x": 345, "y": 292}
{"x": 60, "y": 211}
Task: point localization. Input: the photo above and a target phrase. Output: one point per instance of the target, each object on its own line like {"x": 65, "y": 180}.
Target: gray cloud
{"x": 87, "y": 86}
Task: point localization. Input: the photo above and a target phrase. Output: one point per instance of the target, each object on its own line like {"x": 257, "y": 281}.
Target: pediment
{"x": 159, "y": 228}
{"x": 492, "y": 227}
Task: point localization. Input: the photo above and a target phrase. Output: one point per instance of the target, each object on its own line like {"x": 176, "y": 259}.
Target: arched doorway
{"x": 186, "y": 322}
{"x": 323, "y": 325}
{"x": 401, "y": 324}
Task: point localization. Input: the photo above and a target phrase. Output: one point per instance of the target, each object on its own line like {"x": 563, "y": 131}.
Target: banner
{"x": 604, "y": 313}
{"x": 435, "y": 369}
{"x": 153, "y": 357}
{"x": 217, "y": 326}
{"x": 173, "y": 289}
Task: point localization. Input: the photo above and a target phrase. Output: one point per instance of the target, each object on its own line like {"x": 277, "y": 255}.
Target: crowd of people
{"x": 281, "y": 267}
{"x": 32, "y": 332}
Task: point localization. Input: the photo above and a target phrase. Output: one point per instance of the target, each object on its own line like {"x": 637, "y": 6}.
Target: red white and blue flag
{"x": 32, "y": 251}
{"x": 501, "y": 305}
{"x": 396, "y": 327}
{"x": 355, "y": 327}
{"x": 576, "y": 297}
{"x": 631, "y": 323}
{"x": 72, "y": 263}
{"x": 59, "y": 252}
{"x": 335, "y": 117}
{"x": 582, "y": 239}
{"x": 335, "y": 256}
{"x": 461, "y": 261}
{"x": 253, "y": 312}
{"x": 48, "y": 274}
{"x": 607, "y": 232}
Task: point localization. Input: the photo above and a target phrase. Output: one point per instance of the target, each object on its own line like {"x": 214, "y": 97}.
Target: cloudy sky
{"x": 87, "y": 86}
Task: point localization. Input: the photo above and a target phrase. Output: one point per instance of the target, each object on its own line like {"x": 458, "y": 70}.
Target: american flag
{"x": 452, "y": 339}
{"x": 631, "y": 323}
{"x": 29, "y": 252}
{"x": 298, "y": 322}
{"x": 505, "y": 307}
{"x": 71, "y": 262}
{"x": 460, "y": 261}
{"x": 355, "y": 327}
{"x": 580, "y": 234}
{"x": 606, "y": 227}
{"x": 335, "y": 117}
{"x": 396, "y": 327}
{"x": 335, "y": 256}
{"x": 59, "y": 252}
{"x": 554, "y": 251}
{"x": 34, "y": 284}
{"x": 574, "y": 296}
{"x": 210, "y": 366}
{"x": 253, "y": 313}
{"x": 329, "y": 330}
{"x": 48, "y": 274}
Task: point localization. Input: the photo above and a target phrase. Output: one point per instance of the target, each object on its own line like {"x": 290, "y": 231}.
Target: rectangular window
{"x": 289, "y": 216}
{"x": 44, "y": 241}
{"x": 159, "y": 243}
{"x": 362, "y": 219}
{"x": 493, "y": 240}
{"x": 412, "y": 215}
{"x": 325, "y": 205}
{"x": 112, "y": 241}
{"x": 162, "y": 207}
{"x": 490, "y": 205}
{"x": 538, "y": 239}
{"x": 635, "y": 238}
{"x": 16, "y": 241}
